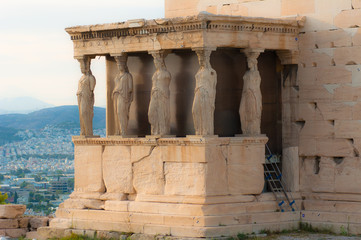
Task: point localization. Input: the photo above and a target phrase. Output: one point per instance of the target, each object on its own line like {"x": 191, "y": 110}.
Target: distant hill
{"x": 21, "y": 105}
{"x": 63, "y": 116}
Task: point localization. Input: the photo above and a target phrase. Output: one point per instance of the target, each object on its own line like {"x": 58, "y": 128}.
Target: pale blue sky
{"x": 36, "y": 54}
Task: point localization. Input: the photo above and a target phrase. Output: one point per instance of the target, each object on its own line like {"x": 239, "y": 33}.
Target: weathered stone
{"x": 84, "y": 203}
{"x": 292, "y": 7}
{"x": 16, "y": 232}
{"x": 347, "y": 129}
{"x": 347, "y": 55}
{"x": 356, "y": 3}
{"x": 119, "y": 206}
{"x": 348, "y": 18}
{"x": 24, "y": 222}
{"x": 346, "y": 175}
{"x": 148, "y": 175}
{"x": 88, "y": 169}
{"x": 37, "y": 222}
{"x": 185, "y": 178}
{"x": 319, "y": 129}
{"x": 32, "y": 235}
{"x": 290, "y": 168}
{"x": 108, "y": 235}
{"x": 142, "y": 237}
{"x": 60, "y": 222}
{"x": 11, "y": 210}
{"x": 117, "y": 171}
{"x": 47, "y": 232}
{"x": 9, "y": 223}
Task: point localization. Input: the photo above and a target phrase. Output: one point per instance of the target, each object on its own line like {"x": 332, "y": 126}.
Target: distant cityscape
{"x": 38, "y": 170}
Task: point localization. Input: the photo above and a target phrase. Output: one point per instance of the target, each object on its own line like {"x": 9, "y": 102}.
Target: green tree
{"x": 3, "y": 197}
{"x": 71, "y": 183}
{"x": 24, "y": 184}
{"x": 38, "y": 178}
{"x": 16, "y": 197}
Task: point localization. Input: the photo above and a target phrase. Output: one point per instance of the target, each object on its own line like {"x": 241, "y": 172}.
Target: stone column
{"x": 204, "y": 94}
{"x": 122, "y": 95}
{"x": 251, "y": 102}
{"x": 85, "y": 95}
{"x": 290, "y": 126}
{"x": 159, "y": 106}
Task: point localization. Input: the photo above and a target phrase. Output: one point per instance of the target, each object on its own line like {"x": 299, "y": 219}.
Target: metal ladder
{"x": 273, "y": 176}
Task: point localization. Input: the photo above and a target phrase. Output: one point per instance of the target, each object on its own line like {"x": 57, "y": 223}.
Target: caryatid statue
{"x": 85, "y": 95}
{"x": 159, "y": 106}
{"x": 122, "y": 95}
{"x": 204, "y": 95}
{"x": 250, "y": 109}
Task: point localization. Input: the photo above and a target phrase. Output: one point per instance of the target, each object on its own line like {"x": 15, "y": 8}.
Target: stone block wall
{"x": 325, "y": 158}
{"x": 14, "y": 225}
{"x": 328, "y": 83}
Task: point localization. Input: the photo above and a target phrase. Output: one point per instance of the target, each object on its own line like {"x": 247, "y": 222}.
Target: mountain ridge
{"x": 66, "y": 116}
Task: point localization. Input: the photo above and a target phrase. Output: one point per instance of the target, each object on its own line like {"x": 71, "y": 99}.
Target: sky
{"x": 36, "y": 54}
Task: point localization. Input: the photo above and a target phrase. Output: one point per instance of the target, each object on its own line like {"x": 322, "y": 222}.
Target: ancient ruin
{"x": 196, "y": 96}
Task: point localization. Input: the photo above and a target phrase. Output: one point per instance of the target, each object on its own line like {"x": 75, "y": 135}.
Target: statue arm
{"x": 130, "y": 87}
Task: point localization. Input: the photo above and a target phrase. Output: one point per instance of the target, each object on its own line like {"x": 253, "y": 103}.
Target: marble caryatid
{"x": 251, "y": 102}
{"x": 85, "y": 95}
{"x": 204, "y": 95}
{"x": 159, "y": 106}
{"x": 122, "y": 95}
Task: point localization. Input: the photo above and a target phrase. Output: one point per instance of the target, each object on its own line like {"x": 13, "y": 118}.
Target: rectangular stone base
{"x": 335, "y": 212}
{"x": 188, "y": 187}
{"x": 179, "y": 219}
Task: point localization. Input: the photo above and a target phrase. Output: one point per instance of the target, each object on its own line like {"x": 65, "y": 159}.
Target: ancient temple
{"x": 191, "y": 104}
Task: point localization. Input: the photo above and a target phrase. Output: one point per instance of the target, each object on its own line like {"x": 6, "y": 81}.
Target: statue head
{"x": 158, "y": 60}
{"x": 122, "y": 62}
{"x": 204, "y": 58}
{"x": 85, "y": 65}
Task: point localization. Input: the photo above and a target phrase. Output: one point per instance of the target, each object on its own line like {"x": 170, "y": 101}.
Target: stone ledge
{"x": 82, "y": 226}
{"x": 239, "y": 139}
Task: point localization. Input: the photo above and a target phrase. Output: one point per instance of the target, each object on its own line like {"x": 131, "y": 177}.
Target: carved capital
{"x": 210, "y": 49}
{"x": 252, "y": 53}
{"x": 119, "y": 54}
{"x": 288, "y": 56}
{"x": 163, "y": 53}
